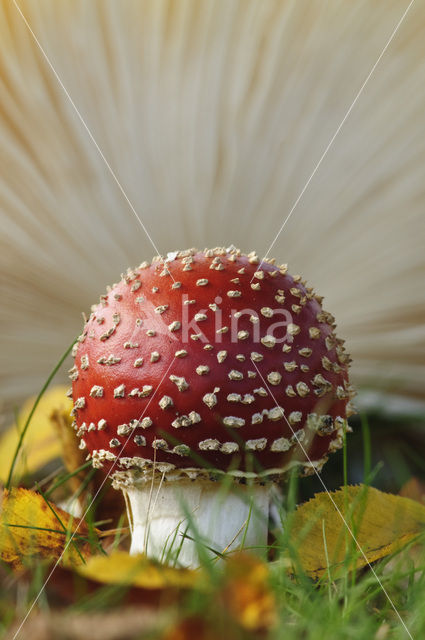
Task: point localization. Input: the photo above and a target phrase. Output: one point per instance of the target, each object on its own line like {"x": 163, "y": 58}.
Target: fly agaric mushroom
{"x": 208, "y": 364}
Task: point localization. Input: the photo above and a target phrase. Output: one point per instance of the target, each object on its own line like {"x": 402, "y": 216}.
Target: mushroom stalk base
{"x": 220, "y": 518}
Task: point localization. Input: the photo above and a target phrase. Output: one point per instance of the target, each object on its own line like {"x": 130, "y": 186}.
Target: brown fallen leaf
{"x": 383, "y": 631}
{"x": 191, "y": 628}
{"x": 30, "y": 527}
{"x": 382, "y": 524}
{"x": 413, "y": 489}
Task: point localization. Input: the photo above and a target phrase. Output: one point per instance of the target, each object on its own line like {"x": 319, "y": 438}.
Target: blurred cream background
{"x": 213, "y": 114}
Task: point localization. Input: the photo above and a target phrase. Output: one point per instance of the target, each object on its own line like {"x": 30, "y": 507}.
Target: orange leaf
{"x": 247, "y": 593}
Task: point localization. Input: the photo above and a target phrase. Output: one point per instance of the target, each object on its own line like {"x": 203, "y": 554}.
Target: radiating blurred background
{"x": 213, "y": 115}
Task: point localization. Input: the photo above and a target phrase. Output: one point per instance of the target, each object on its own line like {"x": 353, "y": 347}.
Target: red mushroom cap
{"x": 210, "y": 361}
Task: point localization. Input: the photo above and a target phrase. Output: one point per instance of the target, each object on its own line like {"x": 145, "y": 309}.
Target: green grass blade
{"x": 35, "y": 405}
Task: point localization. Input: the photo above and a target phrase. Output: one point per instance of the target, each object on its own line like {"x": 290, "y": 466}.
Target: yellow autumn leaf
{"x": 41, "y": 444}
{"x": 381, "y": 522}
{"x": 136, "y": 571}
{"x": 30, "y": 527}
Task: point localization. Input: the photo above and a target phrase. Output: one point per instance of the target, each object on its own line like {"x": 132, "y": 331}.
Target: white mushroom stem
{"x": 165, "y": 519}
